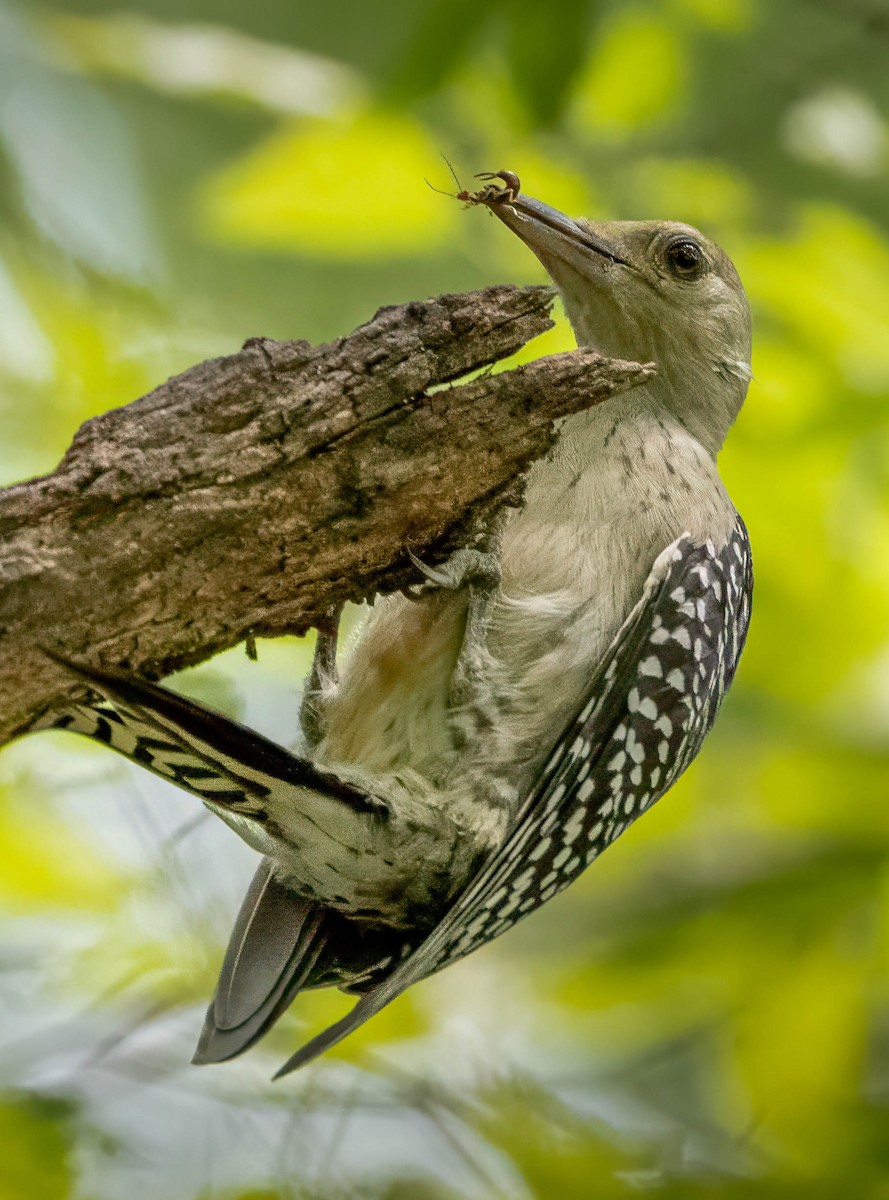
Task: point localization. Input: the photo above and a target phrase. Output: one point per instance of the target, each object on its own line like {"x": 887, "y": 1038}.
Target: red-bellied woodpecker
{"x": 489, "y": 737}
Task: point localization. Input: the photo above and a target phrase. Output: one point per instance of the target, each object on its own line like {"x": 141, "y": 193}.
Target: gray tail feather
{"x": 275, "y": 943}
{"x": 282, "y": 944}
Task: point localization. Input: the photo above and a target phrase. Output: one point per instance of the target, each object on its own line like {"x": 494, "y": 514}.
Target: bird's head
{"x": 648, "y": 291}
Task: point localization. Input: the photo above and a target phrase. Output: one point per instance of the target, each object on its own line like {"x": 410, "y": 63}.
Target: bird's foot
{"x": 464, "y": 568}
{"x": 321, "y": 684}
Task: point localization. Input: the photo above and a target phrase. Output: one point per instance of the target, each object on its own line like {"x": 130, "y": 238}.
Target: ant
{"x": 491, "y": 193}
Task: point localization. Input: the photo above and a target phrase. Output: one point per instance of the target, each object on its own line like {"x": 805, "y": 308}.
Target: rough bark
{"x": 252, "y": 493}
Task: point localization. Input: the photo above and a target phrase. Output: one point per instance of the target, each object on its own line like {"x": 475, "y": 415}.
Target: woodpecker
{"x": 489, "y": 735}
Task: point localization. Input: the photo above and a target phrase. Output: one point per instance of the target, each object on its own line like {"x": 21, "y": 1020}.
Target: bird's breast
{"x": 621, "y": 485}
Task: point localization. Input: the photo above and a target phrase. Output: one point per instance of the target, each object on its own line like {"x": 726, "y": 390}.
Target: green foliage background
{"x": 705, "y": 1014}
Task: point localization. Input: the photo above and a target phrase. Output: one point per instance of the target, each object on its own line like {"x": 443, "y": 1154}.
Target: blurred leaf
{"x": 546, "y": 46}
{"x": 48, "y": 865}
{"x": 73, "y": 165}
{"x": 344, "y": 191}
{"x": 800, "y": 1049}
{"x": 706, "y": 193}
{"x": 36, "y": 1151}
{"x": 636, "y": 75}
{"x": 728, "y": 15}
{"x": 204, "y": 59}
{"x": 839, "y": 303}
{"x": 439, "y": 35}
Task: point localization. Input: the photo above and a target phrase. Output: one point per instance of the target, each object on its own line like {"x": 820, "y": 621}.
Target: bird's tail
{"x": 277, "y": 940}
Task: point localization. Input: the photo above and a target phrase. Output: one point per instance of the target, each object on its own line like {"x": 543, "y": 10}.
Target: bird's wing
{"x": 202, "y": 750}
{"x": 277, "y": 939}
{"x": 649, "y": 709}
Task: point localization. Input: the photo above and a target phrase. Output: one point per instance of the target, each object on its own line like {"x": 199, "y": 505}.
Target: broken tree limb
{"x": 251, "y": 494}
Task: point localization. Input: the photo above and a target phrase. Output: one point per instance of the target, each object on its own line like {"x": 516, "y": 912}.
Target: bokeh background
{"x": 706, "y": 1013}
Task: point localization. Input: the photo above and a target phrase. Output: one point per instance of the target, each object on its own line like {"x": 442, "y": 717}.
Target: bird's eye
{"x": 686, "y": 258}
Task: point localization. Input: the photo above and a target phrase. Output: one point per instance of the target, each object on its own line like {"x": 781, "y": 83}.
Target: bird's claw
{"x": 462, "y": 568}
{"x": 439, "y": 578}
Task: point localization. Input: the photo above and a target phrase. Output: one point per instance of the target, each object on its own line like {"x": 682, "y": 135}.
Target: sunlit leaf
{"x": 350, "y": 190}
{"x": 636, "y": 75}
{"x": 839, "y": 304}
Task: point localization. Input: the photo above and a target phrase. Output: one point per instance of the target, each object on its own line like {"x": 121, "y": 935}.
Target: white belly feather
{"x": 621, "y": 484}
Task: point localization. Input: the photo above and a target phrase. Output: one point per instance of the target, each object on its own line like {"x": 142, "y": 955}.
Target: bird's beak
{"x": 556, "y": 238}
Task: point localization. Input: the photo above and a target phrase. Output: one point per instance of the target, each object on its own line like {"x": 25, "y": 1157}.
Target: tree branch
{"x": 252, "y": 493}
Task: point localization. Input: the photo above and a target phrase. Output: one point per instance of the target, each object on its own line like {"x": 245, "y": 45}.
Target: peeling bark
{"x": 249, "y": 495}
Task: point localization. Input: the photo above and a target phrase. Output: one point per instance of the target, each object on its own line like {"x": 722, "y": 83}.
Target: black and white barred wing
{"x": 649, "y": 710}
